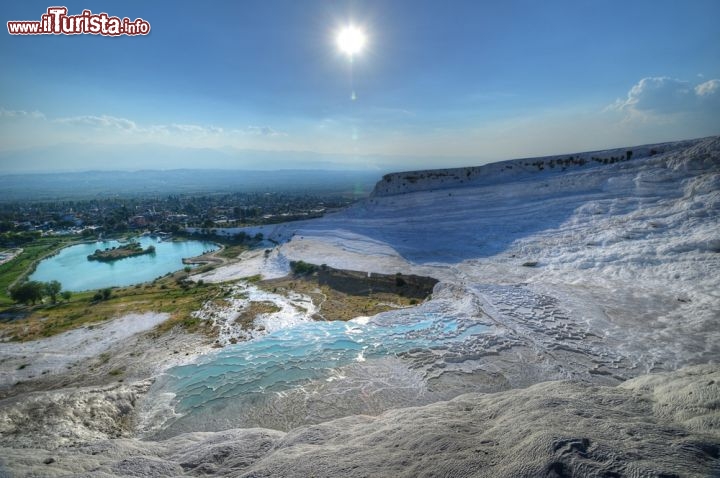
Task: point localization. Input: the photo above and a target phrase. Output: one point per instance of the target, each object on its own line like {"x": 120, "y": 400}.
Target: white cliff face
{"x": 516, "y": 169}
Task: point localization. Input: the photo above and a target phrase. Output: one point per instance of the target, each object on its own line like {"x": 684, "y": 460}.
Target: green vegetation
{"x": 10, "y": 238}
{"x": 14, "y": 271}
{"x": 301, "y": 268}
{"x": 232, "y": 251}
{"x": 82, "y": 308}
{"x": 103, "y": 294}
{"x": 52, "y": 289}
{"x": 33, "y": 291}
{"x": 121, "y": 252}
{"x": 29, "y": 292}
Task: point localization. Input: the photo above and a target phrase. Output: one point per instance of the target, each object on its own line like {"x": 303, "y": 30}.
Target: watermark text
{"x": 57, "y": 22}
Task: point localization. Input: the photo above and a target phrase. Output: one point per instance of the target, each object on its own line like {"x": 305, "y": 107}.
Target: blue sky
{"x": 439, "y": 84}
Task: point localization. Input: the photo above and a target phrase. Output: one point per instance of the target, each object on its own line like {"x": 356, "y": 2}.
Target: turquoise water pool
{"x": 239, "y": 377}
{"x": 72, "y": 269}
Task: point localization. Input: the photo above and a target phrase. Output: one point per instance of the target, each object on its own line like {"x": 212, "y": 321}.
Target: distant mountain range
{"x": 76, "y": 157}
{"x": 85, "y": 185}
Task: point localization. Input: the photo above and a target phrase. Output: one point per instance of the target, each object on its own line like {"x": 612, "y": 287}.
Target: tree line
{"x": 33, "y": 291}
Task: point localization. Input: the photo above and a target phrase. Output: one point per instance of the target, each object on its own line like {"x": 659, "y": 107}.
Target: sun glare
{"x": 351, "y": 40}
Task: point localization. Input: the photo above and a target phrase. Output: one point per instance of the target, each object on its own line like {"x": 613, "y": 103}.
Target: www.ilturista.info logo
{"x": 57, "y": 22}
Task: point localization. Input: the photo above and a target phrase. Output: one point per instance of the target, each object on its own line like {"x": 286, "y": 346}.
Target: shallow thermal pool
{"x": 242, "y": 376}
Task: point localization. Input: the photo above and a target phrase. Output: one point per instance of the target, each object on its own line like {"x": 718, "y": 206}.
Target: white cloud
{"x": 20, "y": 129}
{"x": 659, "y": 94}
{"x": 21, "y": 114}
{"x": 257, "y": 131}
{"x": 665, "y": 96}
{"x": 264, "y": 131}
{"x": 103, "y": 121}
{"x": 184, "y": 129}
{"x": 709, "y": 88}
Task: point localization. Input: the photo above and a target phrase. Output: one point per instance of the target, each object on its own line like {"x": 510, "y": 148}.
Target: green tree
{"x": 29, "y": 292}
{"x": 66, "y": 294}
{"x": 52, "y": 289}
{"x": 106, "y": 293}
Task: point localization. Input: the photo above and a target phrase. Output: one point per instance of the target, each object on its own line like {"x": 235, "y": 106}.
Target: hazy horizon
{"x": 144, "y": 181}
{"x": 257, "y": 161}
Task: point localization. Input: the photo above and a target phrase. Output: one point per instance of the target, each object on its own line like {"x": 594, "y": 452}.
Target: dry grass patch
{"x": 255, "y": 308}
{"x": 165, "y": 295}
{"x": 336, "y": 305}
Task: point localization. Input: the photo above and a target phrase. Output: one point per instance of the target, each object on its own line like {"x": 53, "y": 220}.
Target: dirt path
{"x": 208, "y": 258}
{"x": 10, "y": 254}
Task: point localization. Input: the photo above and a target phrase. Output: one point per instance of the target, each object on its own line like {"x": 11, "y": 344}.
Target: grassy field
{"x": 164, "y": 295}
{"x": 13, "y": 270}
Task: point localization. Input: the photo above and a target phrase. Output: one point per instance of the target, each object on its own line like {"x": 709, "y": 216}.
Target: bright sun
{"x": 351, "y": 40}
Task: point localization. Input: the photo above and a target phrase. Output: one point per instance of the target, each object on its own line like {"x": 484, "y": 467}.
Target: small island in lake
{"x": 121, "y": 252}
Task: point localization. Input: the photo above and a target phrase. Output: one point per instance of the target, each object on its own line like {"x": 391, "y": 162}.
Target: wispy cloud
{"x": 21, "y": 114}
{"x": 184, "y": 129}
{"x": 113, "y": 123}
{"x": 103, "y": 121}
{"x": 262, "y": 131}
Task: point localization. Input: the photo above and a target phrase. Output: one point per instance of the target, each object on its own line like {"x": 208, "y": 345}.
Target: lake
{"x": 76, "y": 273}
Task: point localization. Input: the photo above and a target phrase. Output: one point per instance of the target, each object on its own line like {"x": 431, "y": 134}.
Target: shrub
{"x": 302, "y": 268}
